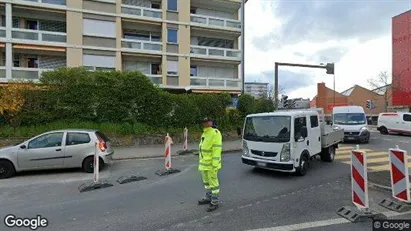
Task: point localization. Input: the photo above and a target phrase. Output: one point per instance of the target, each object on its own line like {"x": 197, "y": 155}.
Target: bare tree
{"x": 380, "y": 85}
{"x": 271, "y": 93}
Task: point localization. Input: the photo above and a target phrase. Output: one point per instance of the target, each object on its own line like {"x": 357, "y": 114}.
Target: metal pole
{"x": 242, "y": 45}
{"x": 334, "y": 88}
{"x": 276, "y": 83}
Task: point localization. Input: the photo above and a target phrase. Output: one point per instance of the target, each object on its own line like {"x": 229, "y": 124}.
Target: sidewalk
{"x": 151, "y": 151}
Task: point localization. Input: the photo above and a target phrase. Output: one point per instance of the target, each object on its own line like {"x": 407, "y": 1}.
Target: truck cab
{"x": 354, "y": 122}
{"x": 285, "y": 140}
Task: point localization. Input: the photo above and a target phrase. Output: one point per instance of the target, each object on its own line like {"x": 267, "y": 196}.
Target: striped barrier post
{"x": 400, "y": 183}
{"x": 185, "y": 146}
{"x": 167, "y": 152}
{"x": 96, "y": 175}
{"x": 359, "y": 179}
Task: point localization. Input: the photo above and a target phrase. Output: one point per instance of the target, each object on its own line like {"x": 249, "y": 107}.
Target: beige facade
{"x": 179, "y": 44}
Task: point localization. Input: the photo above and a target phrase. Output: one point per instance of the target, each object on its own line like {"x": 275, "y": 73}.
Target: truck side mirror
{"x": 304, "y": 132}
{"x": 239, "y": 131}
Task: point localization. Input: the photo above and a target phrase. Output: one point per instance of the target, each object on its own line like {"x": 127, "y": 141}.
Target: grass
{"x": 111, "y": 129}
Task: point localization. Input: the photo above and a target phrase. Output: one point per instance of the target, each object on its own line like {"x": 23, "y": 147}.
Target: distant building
{"x": 257, "y": 90}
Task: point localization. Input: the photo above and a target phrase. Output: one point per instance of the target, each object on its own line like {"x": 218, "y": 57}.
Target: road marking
{"x": 349, "y": 151}
{"x": 403, "y": 141}
{"x": 316, "y": 224}
{"x": 382, "y": 168}
{"x": 387, "y": 139}
{"x": 345, "y": 148}
{"x": 373, "y": 160}
{"x": 369, "y": 154}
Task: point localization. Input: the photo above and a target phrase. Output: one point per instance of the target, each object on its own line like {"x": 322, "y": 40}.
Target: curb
{"x": 228, "y": 151}
{"x": 379, "y": 186}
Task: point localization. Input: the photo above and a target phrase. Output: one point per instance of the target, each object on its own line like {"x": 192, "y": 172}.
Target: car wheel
{"x": 7, "y": 169}
{"x": 303, "y": 166}
{"x": 88, "y": 164}
{"x": 328, "y": 154}
{"x": 383, "y": 130}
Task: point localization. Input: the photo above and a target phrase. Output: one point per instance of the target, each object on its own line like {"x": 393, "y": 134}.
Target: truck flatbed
{"x": 330, "y": 136}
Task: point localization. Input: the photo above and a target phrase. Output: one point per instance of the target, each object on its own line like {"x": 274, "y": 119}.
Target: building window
{"x": 16, "y": 60}
{"x": 99, "y": 62}
{"x": 33, "y": 62}
{"x": 99, "y": 28}
{"x": 193, "y": 71}
{"x": 172, "y": 67}
{"x": 172, "y": 35}
{"x": 32, "y": 24}
{"x": 156, "y": 5}
{"x": 172, "y": 5}
{"x": 155, "y": 69}
{"x": 15, "y": 22}
{"x": 193, "y": 10}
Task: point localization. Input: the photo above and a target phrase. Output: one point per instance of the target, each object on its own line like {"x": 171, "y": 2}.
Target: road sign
{"x": 400, "y": 183}
{"x": 359, "y": 179}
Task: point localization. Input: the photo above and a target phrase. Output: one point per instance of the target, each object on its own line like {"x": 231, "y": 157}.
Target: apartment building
{"x": 256, "y": 89}
{"x": 179, "y": 44}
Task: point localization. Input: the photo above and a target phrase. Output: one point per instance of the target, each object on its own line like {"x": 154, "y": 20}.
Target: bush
{"x": 116, "y": 102}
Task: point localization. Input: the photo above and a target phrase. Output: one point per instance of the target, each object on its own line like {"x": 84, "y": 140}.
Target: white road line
{"x": 315, "y": 224}
{"x": 403, "y": 141}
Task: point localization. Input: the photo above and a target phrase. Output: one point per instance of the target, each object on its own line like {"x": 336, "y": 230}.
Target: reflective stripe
{"x": 203, "y": 164}
{"x": 216, "y": 158}
{"x": 217, "y": 146}
{"x": 206, "y": 150}
{"x": 215, "y": 188}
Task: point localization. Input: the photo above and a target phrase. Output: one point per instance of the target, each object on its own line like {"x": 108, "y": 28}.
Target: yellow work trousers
{"x": 210, "y": 181}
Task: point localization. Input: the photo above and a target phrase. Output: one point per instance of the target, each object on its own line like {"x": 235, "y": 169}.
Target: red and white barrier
{"x": 185, "y": 146}
{"x": 400, "y": 183}
{"x": 167, "y": 151}
{"x": 96, "y": 175}
{"x": 359, "y": 179}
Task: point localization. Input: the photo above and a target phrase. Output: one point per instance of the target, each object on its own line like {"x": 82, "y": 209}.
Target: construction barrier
{"x": 359, "y": 190}
{"x": 359, "y": 179}
{"x": 185, "y": 146}
{"x": 167, "y": 153}
{"x": 185, "y": 150}
{"x": 96, "y": 174}
{"x": 400, "y": 183}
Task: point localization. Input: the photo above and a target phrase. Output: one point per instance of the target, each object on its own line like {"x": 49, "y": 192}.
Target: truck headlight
{"x": 246, "y": 151}
{"x": 285, "y": 153}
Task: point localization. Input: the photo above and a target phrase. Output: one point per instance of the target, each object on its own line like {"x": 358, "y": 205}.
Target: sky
{"x": 354, "y": 34}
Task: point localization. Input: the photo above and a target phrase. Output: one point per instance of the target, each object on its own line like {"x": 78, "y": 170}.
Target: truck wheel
{"x": 303, "y": 166}
{"x": 6, "y": 169}
{"x": 328, "y": 154}
{"x": 383, "y": 130}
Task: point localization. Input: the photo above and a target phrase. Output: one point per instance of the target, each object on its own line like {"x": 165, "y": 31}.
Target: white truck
{"x": 286, "y": 140}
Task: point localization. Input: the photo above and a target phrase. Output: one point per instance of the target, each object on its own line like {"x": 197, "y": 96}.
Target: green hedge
{"x": 119, "y": 102}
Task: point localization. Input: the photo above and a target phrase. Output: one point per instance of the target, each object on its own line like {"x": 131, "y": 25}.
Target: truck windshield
{"x": 349, "y": 118}
{"x": 268, "y": 128}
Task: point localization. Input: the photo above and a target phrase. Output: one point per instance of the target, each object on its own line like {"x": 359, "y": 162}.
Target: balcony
{"x": 144, "y": 12}
{"x": 214, "y": 52}
{"x": 208, "y": 21}
{"x": 214, "y": 83}
{"x": 38, "y": 35}
{"x": 54, "y": 2}
{"x": 22, "y": 73}
{"x": 156, "y": 79}
{"x": 138, "y": 45}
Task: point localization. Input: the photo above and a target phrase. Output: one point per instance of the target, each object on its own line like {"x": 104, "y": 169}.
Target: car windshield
{"x": 349, "y": 118}
{"x": 268, "y": 128}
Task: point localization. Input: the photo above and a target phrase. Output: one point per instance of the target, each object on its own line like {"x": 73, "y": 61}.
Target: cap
{"x": 206, "y": 119}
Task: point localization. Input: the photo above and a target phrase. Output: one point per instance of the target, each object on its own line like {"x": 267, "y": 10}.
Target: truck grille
{"x": 351, "y": 133}
{"x": 261, "y": 153}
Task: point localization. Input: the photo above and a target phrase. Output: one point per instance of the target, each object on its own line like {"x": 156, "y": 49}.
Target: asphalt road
{"x": 252, "y": 199}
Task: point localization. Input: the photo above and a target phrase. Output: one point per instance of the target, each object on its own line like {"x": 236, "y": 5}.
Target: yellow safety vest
{"x": 210, "y": 150}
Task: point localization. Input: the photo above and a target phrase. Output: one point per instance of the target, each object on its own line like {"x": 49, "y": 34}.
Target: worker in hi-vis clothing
{"x": 210, "y": 163}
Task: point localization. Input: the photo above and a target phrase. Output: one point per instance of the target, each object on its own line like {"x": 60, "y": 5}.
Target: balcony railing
{"x": 156, "y": 79}
{"x": 215, "y": 52}
{"x": 38, "y": 35}
{"x": 213, "y": 21}
{"x": 141, "y": 11}
{"x": 27, "y": 73}
{"x": 214, "y": 82}
{"x": 55, "y": 2}
{"x": 141, "y": 45}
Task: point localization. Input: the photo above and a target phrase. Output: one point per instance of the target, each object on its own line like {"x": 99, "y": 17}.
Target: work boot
{"x": 204, "y": 201}
{"x": 212, "y": 207}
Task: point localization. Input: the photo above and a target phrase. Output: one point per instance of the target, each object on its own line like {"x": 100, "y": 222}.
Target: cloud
{"x": 320, "y": 21}
{"x": 331, "y": 54}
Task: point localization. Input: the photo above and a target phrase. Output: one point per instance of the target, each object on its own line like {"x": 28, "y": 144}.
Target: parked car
{"x": 72, "y": 148}
{"x": 394, "y": 122}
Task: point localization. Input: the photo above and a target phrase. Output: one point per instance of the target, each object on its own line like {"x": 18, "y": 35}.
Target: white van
{"x": 394, "y": 122}
{"x": 354, "y": 122}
